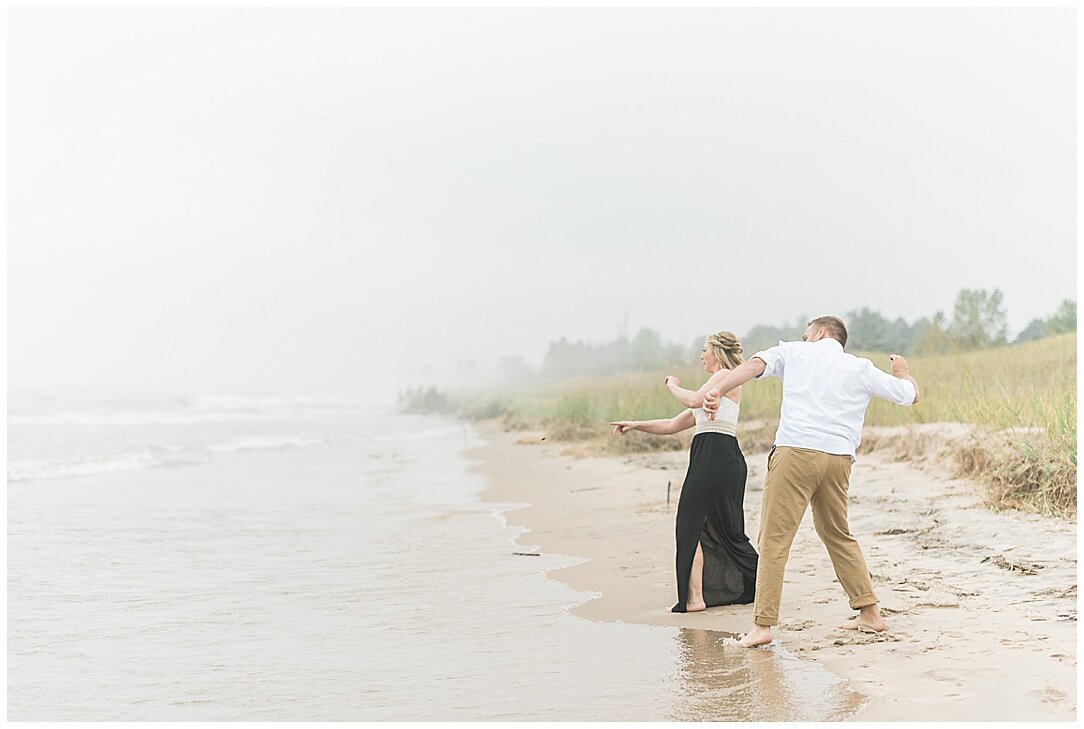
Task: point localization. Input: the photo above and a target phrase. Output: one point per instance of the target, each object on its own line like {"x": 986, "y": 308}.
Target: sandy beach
{"x": 981, "y": 606}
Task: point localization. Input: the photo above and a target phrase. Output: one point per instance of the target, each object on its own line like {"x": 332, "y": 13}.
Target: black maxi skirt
{"x": 711, "y": 511}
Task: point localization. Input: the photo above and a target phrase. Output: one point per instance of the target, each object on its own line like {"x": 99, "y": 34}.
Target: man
{"x": 825, "y": 395}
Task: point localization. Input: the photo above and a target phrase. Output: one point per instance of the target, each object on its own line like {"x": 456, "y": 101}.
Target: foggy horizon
{"x": 356, "y": 199}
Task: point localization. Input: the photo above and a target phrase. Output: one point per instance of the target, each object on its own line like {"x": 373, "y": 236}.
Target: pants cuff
{"x": 765, "y": 622}
{"x": 863, "y": 601}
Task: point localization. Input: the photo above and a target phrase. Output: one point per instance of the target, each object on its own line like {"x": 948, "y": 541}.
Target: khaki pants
{"x": 796, "y": 478}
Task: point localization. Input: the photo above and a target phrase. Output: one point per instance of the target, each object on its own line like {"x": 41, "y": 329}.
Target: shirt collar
{"x": 830, "y": 341}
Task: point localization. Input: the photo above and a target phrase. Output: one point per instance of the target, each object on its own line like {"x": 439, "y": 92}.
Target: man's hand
{"x": 623, "y": 426}
{"x": 901, "y": 370}
{"x": 671, "y": 380}
{"x": 711, "y": 403}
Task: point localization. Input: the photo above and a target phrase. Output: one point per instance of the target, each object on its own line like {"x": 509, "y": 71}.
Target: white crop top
{"x": 726, "y": 418}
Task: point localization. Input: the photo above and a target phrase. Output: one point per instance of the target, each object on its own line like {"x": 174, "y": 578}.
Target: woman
{"x": 716, "y": 564}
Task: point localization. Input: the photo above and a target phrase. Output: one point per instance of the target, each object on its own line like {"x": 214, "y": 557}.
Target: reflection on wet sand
{"x": 722, "y": 682}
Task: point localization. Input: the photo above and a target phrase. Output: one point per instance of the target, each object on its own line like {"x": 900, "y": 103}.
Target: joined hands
{"x": 711, "y": 404}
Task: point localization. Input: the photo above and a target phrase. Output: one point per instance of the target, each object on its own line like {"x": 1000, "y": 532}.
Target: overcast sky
{"x": 346, "y": 199}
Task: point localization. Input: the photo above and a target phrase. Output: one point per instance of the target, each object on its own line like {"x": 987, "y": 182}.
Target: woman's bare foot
{"x": 695, "y": 607}
{"x": 869, "y": 620}
{"x": 759, "y": 635}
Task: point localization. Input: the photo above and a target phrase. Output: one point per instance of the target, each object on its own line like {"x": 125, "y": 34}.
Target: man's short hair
{"x": 833, "y": 325}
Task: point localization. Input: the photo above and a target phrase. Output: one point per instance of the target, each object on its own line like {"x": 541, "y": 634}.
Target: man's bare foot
{"x": 695, "y": 607}
{"x": 869, "y": 620}
{"x": 759, "y": 635}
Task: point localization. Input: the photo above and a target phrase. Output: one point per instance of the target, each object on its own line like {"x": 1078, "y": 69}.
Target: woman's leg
{"x": 730, "y": 562}
{"x": 696, "y": 582}
{"x": 687, "y": 526}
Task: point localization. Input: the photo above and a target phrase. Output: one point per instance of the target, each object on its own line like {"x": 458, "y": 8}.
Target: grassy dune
{"x": 1030, "y": 388}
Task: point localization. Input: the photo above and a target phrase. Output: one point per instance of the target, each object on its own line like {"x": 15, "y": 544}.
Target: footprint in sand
{"x": 945, "y": 679}
{"x": 797, "y": 626}
{"x": 867, "y": 638}
{"x": 894, "y": 611}
{"x": 1048, "y": 694}
{"x": 1015, "y": 638}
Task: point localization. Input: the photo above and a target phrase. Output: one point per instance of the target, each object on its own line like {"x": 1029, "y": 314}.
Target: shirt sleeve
{"x": 889, "y": 387}
{"x": 774, "y": 358}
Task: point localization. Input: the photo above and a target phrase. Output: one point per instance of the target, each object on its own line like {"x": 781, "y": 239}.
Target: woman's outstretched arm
{"x": 662, "y": 426}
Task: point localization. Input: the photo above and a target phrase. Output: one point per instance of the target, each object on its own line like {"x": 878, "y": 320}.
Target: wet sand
{"x": 981, "y": 606}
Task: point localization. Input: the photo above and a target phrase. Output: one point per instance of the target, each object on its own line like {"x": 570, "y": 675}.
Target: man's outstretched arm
{"x": 899, "y": 387}
{"x": 735, "y": 378}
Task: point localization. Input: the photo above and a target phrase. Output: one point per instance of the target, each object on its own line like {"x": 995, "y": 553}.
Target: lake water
{"x": 273, "y": 558}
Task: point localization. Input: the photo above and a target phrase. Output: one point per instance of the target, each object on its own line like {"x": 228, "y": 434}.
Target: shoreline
{"x": 982, "y": 605}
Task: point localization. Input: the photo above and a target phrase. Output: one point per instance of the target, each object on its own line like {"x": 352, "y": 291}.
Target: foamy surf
{"x": 147, "y": 457}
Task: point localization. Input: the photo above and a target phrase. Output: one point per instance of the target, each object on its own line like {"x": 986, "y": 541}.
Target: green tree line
{"x": 977, "y": 320}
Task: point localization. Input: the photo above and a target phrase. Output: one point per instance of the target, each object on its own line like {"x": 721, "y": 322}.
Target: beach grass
{"x": 1021, "y": 401}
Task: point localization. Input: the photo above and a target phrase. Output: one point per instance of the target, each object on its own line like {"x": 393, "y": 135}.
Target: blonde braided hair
{"x": 727, "y": 349}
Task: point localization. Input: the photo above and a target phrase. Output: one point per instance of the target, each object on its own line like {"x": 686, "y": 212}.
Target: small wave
{"x": 264, "y": 443}
{"x": 137, "y": 461}
{"x": 175, "y": 417}
{"x": 193, "y": 410}
{"x": 137, "y": 418}
{"x": 147, "y": 457}
{"x": 238, "y": 402}
{"x": 421, "y": 434}
{"x": 264, "y": 403}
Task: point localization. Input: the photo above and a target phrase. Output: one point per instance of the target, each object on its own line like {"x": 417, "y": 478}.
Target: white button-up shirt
{"x": 826, "y": 392}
